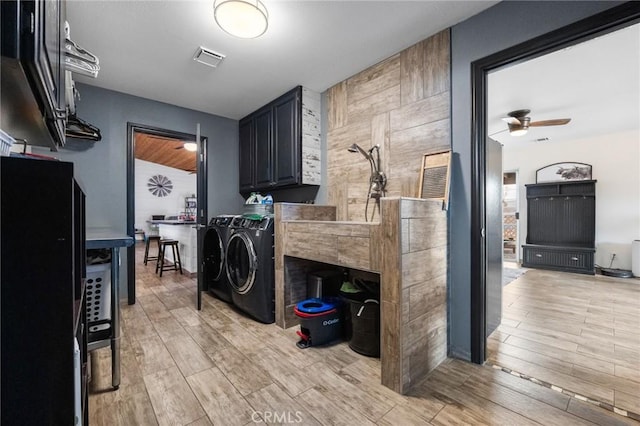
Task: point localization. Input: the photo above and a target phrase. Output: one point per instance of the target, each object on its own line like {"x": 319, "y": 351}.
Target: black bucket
{"x": 365, "y": 327}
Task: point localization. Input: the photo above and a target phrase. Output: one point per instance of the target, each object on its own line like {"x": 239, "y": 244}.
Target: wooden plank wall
{"x": 284, "y": 212}
{"x": 413, "y": 290}
{"x": 424, "y": 288}
{"x": 402, "y": 104}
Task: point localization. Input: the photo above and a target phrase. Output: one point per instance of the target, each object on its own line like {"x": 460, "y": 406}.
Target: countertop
{"x": 107, "y": 238}
{"x": 173, "y": 222}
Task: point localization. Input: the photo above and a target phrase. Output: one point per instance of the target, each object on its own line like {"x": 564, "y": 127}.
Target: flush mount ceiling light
{"x": 190, "y": 146}
{"x": 241, "y": 18}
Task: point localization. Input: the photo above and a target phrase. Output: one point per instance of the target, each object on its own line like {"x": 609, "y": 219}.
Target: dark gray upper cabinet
{"x": 246, "y": 155}
{"x": 561, "y": 225}
{"x": 263, "y": 136}
{"x": 33, "y": 83}
{"x": 286, "y": 140}
{"x": 272, "y": 143}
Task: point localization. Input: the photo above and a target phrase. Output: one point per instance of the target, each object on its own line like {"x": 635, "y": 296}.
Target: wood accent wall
{"x": 408, "y": 249}
{"x": 402, "y": 104}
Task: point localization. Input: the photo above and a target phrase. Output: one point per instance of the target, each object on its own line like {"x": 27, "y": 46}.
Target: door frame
{"x": 201, "y": 179}
{"x": 599, "y": 24}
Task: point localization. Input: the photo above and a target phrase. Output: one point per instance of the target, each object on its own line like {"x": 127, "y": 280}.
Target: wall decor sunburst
{"x": 159, "y": 185}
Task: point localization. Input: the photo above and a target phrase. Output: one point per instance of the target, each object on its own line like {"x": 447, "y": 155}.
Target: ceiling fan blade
{"x": 511, "y": 120}
{"x": 556, "y": 122}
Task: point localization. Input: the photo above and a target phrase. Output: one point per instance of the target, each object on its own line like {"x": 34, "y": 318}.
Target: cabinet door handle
{"x": 574, "y": 258}
{"x": 538, "y": 255}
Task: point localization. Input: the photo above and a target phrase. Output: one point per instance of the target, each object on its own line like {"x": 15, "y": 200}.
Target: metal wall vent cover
{"x": 208, "y": 57}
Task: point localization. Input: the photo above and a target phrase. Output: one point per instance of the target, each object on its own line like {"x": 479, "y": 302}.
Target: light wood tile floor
{"x": 215, "y": 366}
{"x": 578, "y": 332}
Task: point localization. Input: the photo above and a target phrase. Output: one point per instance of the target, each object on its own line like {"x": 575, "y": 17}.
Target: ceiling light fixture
{"x": 517, "y": 130}
{"x": 241, "y": 18}
{"x": 519, "y": 127}
{"x": 190, "y": 146}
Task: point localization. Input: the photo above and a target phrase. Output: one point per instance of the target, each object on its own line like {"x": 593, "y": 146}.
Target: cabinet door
{"x": 286, "y": 141}
{"x": 43, "y": 54}
{"x": 262, "y": 123}
{"x": 247, "y": 156}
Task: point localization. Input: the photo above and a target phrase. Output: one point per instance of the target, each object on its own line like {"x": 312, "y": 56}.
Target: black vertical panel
{"x": 246, "y": 155}
{"x": 202, "y": 213}
{"x": 37, "y": 291}
{"x": 287, "y": 138}
{"x": 493, "y": 217}
{"x": 262, "y": 123}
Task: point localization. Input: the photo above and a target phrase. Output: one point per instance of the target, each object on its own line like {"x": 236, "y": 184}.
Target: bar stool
{"x": 175, "y": 249}
{"x": 148, "y": 240}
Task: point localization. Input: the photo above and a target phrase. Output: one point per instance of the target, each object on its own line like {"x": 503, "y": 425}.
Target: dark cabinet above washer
{"x": 280, "y": 143}
{"x": 33, "y": 80}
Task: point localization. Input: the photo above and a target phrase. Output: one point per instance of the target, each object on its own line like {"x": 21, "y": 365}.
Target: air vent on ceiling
{"x": 542, "y": 140}
{"x": 208, "y": 57}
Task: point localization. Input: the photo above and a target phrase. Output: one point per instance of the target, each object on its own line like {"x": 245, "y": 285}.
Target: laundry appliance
{"x": 214, "y": 247}
{"x": 250, "y": 265}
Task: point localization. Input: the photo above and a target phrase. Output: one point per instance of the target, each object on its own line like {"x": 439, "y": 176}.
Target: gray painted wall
{"x": 102, "y": 168}
{"x": 502, "y": 26}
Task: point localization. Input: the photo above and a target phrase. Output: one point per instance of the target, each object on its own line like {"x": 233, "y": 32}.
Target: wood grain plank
{"x": 428, "y": 110}
{"x": 337, "y": 106}
{"x": 436, "y": 63}
{"x": 172, "y": 399}
{"x": 627, "y": 401}
{"x": 421, "y": 266}
{"x": 373, "y": 80}
{"x": 222, "y": 402}
{"x": 522, "y": 404}
{"x": 458, "y": 415}
{"x": 188, "y": 356}
{"x": 561, "y": 355}
{"x": 564, "y": 381}
{"x": 525, "y": 387}
{"x": 412, "y": 74}
{"x": 330, "y": 411}
{"x": 597, "y": 415}
{"x": 245, "y": 376}
{"x": 277, "y": 407}
{"x": 152, "y": 355}
{"x": 487, "y": 411}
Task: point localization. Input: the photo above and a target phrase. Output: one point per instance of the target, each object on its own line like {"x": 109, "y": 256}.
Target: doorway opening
{"x": 537, "y": 327}
{"x": 510, "y": 216}
{"x": 166, "y": 196}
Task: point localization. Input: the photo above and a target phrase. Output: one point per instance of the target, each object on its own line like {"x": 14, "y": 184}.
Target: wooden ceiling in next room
{"x": 166, "y": 151}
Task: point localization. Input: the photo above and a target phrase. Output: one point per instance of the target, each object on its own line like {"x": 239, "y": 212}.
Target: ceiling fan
{"x": 519, "y": 123}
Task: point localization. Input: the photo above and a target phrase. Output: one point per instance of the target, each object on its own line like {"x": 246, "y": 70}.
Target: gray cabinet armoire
{"x": 561, "y": 226}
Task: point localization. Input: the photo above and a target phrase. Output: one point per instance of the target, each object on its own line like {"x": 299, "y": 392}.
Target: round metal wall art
{"x": 159, "y": 185}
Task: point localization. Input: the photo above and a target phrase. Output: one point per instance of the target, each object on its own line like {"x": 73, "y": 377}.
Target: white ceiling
{"x": 595, "y": 83}
{"x": 146, "y": 47}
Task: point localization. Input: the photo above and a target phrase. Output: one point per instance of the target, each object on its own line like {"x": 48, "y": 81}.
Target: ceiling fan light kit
{"x": 190, "y": 146}
{"x": 519, "y": 123}
{"x": 241, "y": 18}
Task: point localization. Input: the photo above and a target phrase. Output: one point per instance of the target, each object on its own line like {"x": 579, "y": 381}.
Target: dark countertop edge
{"x": 172, "y": 222}
{"x": 106, "y": 238}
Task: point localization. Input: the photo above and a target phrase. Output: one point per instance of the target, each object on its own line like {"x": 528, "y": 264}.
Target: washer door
{"x": 241, "y": 263}
{"x": 213, "y": 253}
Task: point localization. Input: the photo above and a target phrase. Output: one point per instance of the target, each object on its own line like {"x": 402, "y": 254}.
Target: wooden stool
{"x": 148, "y": 239}
{"x": 175, "y": 249}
